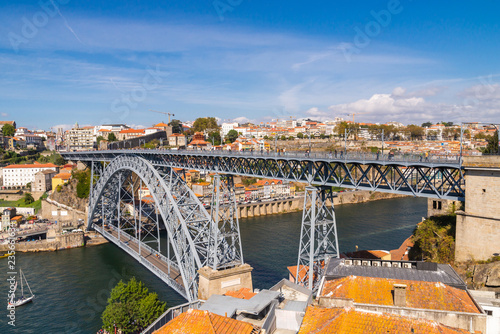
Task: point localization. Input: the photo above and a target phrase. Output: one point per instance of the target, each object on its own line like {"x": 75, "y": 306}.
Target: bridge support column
{"x": 478, "y": 227}
{"x": 318, "y": 237}
{"x": 218, "y": 282}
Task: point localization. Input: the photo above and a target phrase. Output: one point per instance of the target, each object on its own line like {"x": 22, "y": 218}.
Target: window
{"x": 488, "y": 312}
{"x": 434, "y": 204}
{"x": 439, "y": 205}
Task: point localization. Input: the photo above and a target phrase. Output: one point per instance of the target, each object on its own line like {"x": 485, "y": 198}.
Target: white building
{"x": 81, "y": 139}
{"x": 20, "y": 175}
{"x": 226, "y": 127}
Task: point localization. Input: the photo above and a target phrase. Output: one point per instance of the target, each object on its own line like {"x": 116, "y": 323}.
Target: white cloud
{"x": 4, "y": 114}
{"x": 62, "y": 126}
{"x": 242, "y": 120}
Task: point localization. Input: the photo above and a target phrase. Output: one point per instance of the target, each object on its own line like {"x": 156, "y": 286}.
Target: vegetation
{"x": 232, "y": 135}
{"x": 204, "y": 123}
{"x": 426, "y": 124}
{"x": 176, "y": 126}
{"x": 112, "y": 137}
{"x": 55, "y": 158}
{"x": 28, "y": 198}
{"x": 22, "y": 203}
{"x": 83, "y": 185}
{"x": 416, "y": 132}
{"x": 248, "y": 181}
{"x": 492, "y": 146}
{"x": 131, "y": 308}
{"x": 434, "y": 240}
{"x": 8, "y": 130}
{"x": 214, "y": 138}
{"x": 99, "y": 139}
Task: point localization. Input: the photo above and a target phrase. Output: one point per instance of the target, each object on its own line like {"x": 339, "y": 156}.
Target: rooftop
{"x": 202, "y": 322}
{"x": 35, "y": 165}
{"x": 419, "y": 271}
{"x": 420, "y": 295}
{"x": 350, "y": 321}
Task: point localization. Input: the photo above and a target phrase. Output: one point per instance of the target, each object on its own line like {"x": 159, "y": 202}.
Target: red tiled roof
{"x": 63, "y": 176}
{"x": 132, "y": 131}
{"x": 350, "y": 321}
{"x": 243, "y": 293}
{"x": 401, "y": 254}
{"x": 419, "y": 294}
{"x": 161, "y": 124}
{"x": 35, "y": 165}
{"x": 203, "y": 322}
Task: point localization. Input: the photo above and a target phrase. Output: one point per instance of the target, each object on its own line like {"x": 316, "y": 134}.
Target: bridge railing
{"x": 332, "y": 155}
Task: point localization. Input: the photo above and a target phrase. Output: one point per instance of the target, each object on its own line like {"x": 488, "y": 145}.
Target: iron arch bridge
{"x": 149, "y": 212}
{"x": 439, "y": 177}
{"x": 135, "y": 195}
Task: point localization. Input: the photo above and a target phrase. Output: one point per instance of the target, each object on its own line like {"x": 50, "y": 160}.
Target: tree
{"x": 83, "y": 185}
{"x": 98, "y": 139}
{"x": 415, "y": 131}
{"x": 8, "y": 130}
{"x": 492, "y": 146}
{"x": 112, "y": 137}
{"x": 204, "y": 123}
{"x": 131, "y": 307}
{"x": 176, "y": 126}
{"x": 283, "y": 137}
{"x": 426, "y": 124}
{"x": 232, "y": 135}
{"x": 322, "y": 136}
{"x": 300, "y": 135}
{"x": 447, "y": 124}
{"x": 214, "y": 138}
{"x": 28, "y": 198}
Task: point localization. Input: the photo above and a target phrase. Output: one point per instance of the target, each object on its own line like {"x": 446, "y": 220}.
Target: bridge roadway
{"x": 152, "y": 257}
{"x": 438, "y": 176}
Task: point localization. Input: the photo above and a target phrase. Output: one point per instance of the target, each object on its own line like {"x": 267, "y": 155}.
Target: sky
{"x": 99, "y": 62}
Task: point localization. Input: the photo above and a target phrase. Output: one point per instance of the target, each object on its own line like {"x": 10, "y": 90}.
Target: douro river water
{"x": 72, "y": 286}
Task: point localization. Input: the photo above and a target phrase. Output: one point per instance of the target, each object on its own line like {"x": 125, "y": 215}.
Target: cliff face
{"x": 67, "y": 196}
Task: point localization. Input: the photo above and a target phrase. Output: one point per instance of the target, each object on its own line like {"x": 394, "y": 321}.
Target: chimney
{"x": 400, "y": 295}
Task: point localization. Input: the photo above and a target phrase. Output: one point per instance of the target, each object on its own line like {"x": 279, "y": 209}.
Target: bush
{"x": 131, "y": 308}
{"x": 434, "y": 240}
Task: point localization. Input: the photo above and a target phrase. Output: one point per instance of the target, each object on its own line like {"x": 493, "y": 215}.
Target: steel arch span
{"x": 131, "y": 202}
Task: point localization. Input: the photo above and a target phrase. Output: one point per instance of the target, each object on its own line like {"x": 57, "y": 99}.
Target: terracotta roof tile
{"x": 243, "y": 293}
{"x": 419, "y": 294}
{"x": 35, "y": 165}
{"x": 350, "y": 321}
{"x": 203, "y": 322}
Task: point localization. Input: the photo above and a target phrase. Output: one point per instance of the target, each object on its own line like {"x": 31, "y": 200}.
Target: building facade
{"x": 20, "y": 175}
{"x": 43, "y": 180}
{"x": 81, "y": 139}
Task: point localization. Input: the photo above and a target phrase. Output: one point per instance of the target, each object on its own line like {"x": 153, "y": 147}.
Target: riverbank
{"x": 60, "y": 242}
{"x": 264, "y": 208}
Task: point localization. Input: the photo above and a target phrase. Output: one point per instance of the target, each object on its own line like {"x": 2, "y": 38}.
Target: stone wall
{"x": 478, "y": 227}
{"x": 297, "y": 204}
{"x": 60, "y": 212}
{"x": 65, "y": 241}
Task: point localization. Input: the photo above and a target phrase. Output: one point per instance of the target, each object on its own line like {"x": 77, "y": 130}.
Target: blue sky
{"x": 94, "y": 62}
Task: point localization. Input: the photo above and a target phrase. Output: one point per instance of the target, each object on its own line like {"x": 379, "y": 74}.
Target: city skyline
{"x": 97, "y": 63}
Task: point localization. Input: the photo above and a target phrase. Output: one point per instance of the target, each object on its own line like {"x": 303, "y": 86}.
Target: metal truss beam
{"x": 318, "y": 236}
{"x": 119, "y": 210}
{"x": 438, "y": 179}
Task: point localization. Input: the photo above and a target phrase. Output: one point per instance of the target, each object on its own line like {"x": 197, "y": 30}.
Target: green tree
{"x": 300, "y": 135}
{"x": 98, "y": 139}
{"x": 83, "y": 185}
{"x": 426, "y": 124}
{"x": 8, "y": 130}
{"x": 131, "y": 307}
{"x": 322, "y": 136}
{"x": 214, "y": 137}
{"x": 232, "y": 135}
{"x": 415, "y": 131}
{"x": 28, "y": 198}
{"x": 283, "y": 137}
{"x": 492, "y": 146}
{"x": 204, "y": 123}
{"x": 176, "y": 126}
{"x": 112, "y": 137}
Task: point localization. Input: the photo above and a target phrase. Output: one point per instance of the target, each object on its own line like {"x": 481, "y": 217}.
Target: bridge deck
{"x": 153, "y": 258}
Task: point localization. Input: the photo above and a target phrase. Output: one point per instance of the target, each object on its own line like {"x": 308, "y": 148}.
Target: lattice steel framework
{"x": 318, "y": 236}
{"x": 120, "y": 209}
{"x": 419, "y": 178}
{"x": 224, "y": 214}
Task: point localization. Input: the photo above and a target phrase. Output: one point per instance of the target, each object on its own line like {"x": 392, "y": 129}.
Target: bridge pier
{"x": 478, "y": 227}
{"x": 318, "y": 236}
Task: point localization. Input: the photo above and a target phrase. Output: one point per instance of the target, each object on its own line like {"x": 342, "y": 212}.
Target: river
{"x": 72, "y": 286}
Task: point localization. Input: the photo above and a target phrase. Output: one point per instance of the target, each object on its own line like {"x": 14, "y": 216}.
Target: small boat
{"x": 22, "y": 300}
{"x": 4, "y": 255}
